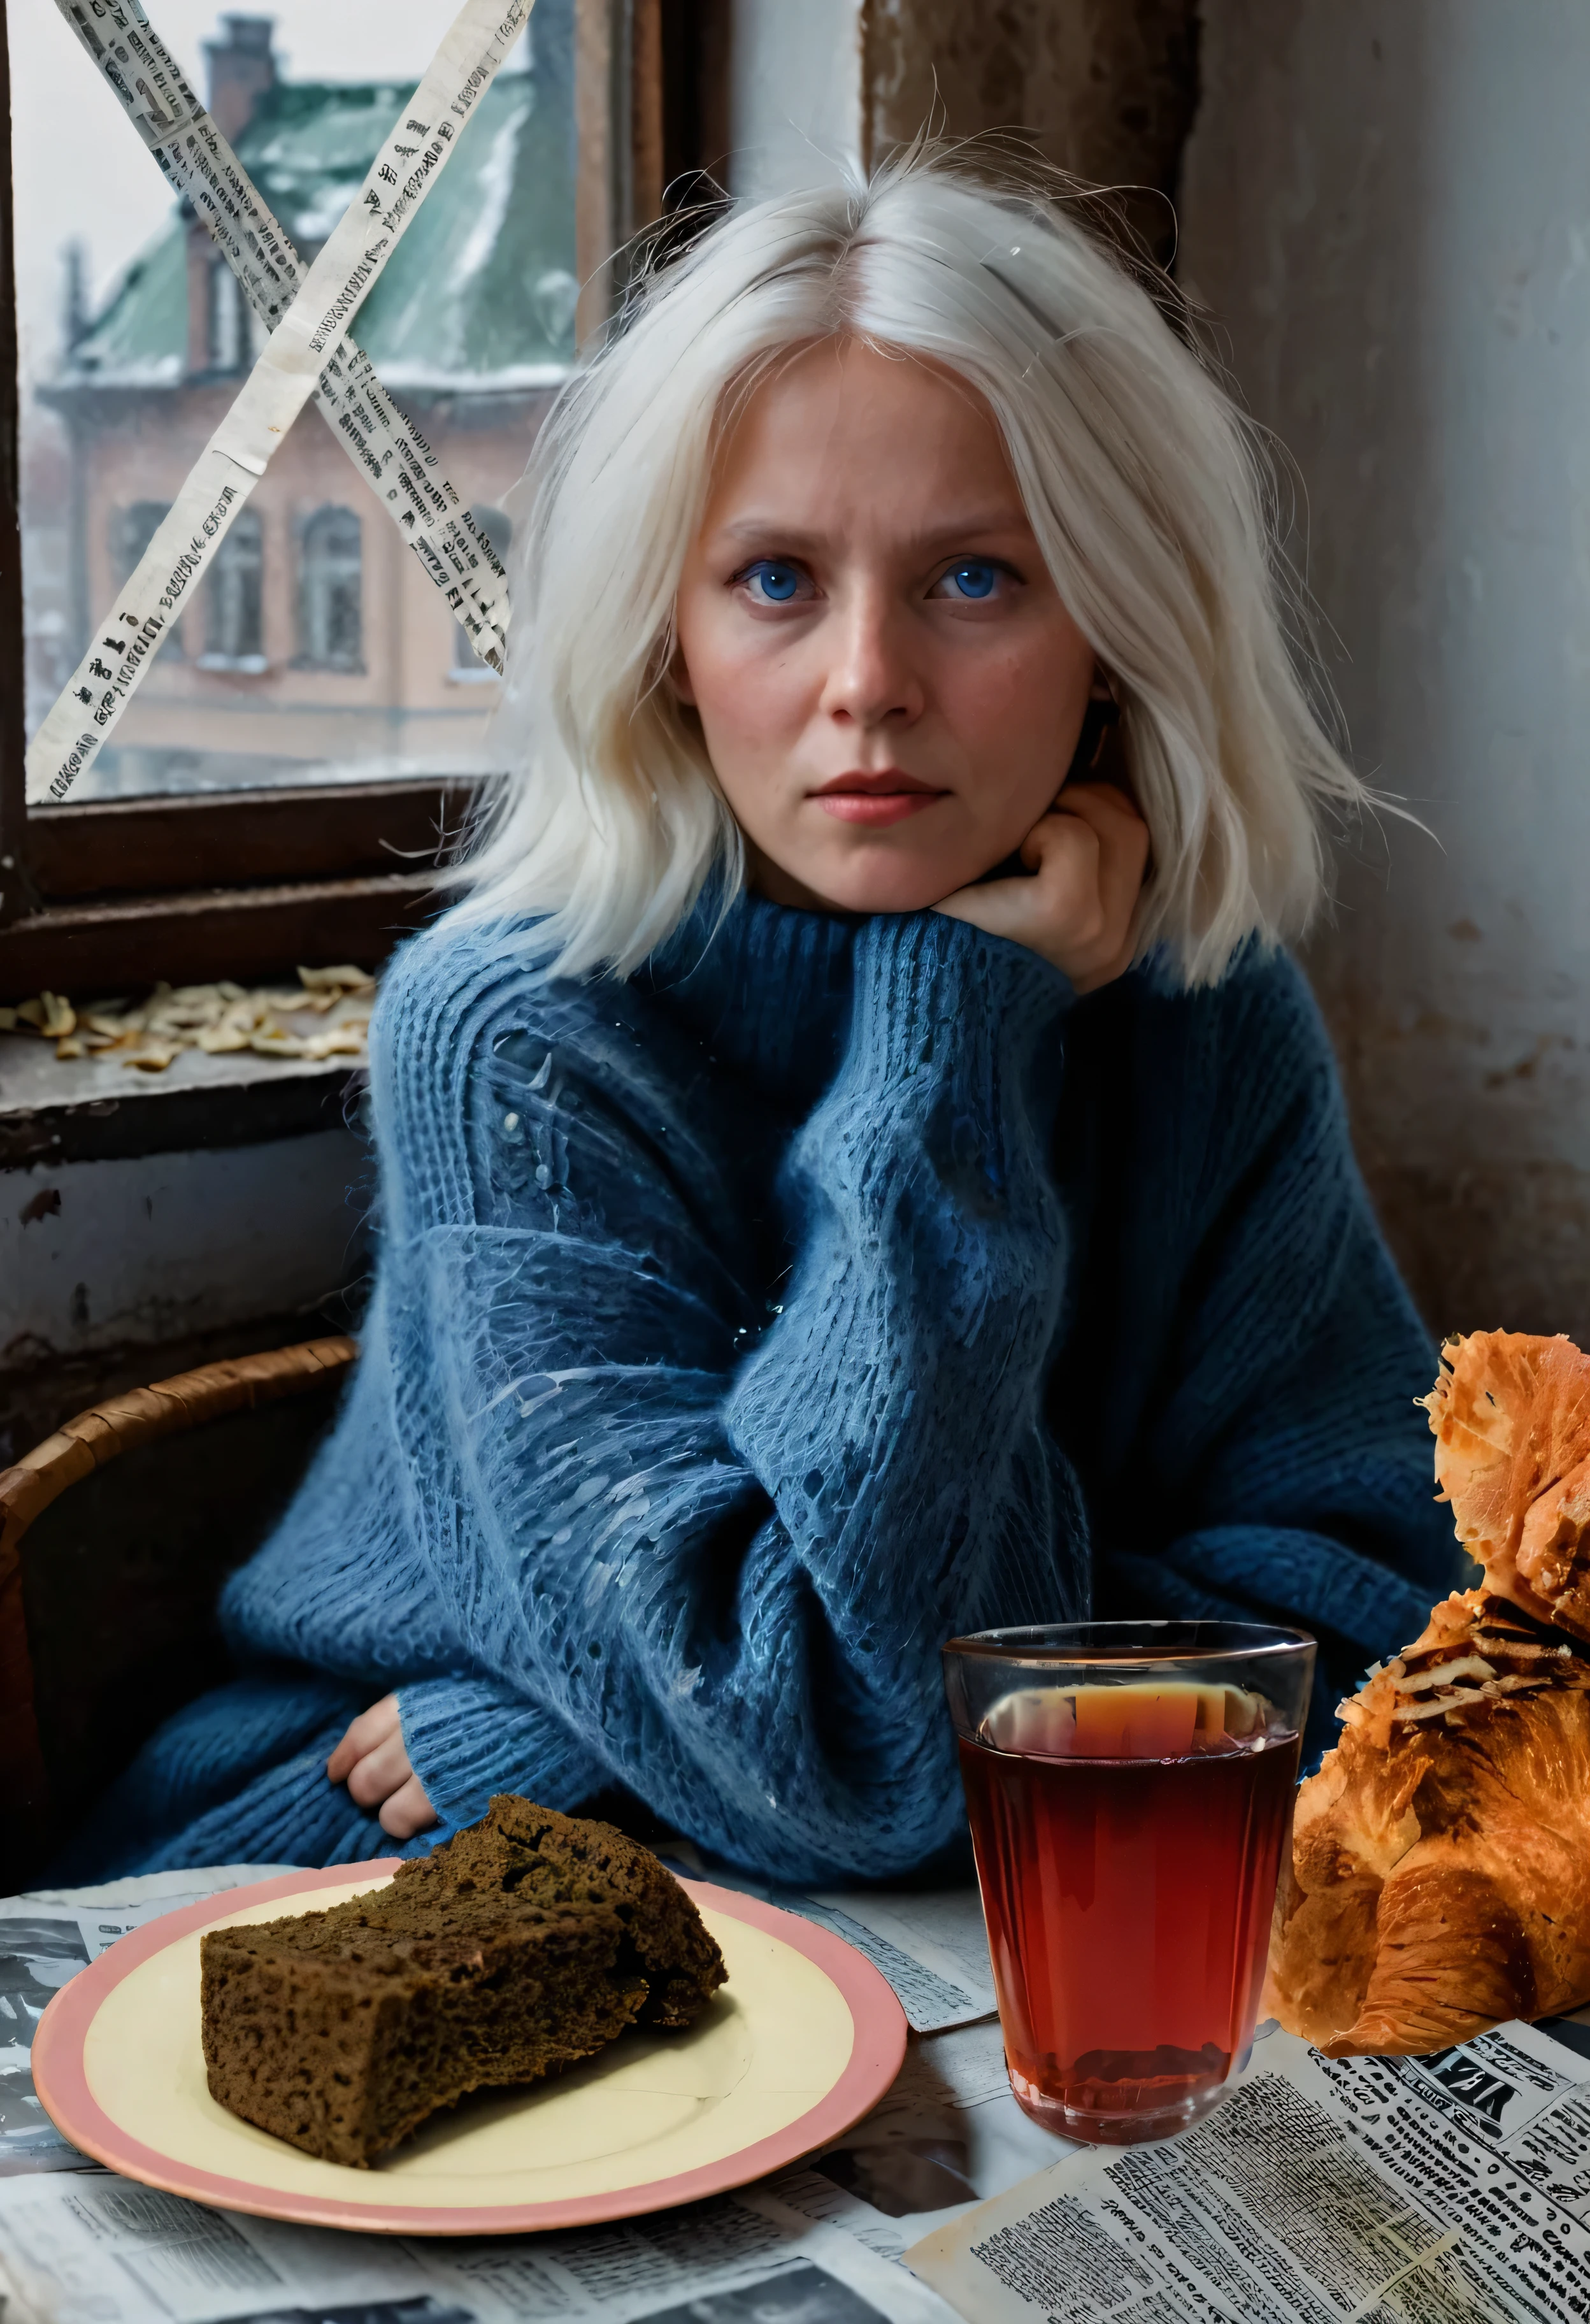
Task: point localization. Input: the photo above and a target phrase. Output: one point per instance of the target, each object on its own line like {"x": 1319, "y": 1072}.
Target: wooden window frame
{"x": 105, "y": 897}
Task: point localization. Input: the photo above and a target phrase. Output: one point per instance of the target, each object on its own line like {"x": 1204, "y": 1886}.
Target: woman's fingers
{"x": 372, "y": 1760}
{"x": 380, "y": 1773}
{"x": 408, "y": 1811}
{"x": 371, "y": 1728}
{"x": 1119, "y": 868}
{"x": 1056, "y": 911}
{"x": 1088, "y": 857}
{"x": 1122, "y": 844}
{"x": 1066, "y": 853}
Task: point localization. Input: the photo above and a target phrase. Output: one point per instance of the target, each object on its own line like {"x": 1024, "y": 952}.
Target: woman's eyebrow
{"x": 954, "y": 533}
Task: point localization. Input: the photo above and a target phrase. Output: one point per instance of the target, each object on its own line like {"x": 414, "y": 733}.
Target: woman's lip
{"x": 876, "y": 808}
{"x": 888, "y": 780}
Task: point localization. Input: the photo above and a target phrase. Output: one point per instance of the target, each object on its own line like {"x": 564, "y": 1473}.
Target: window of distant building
{"x": 331, "y": 564}
{"x": 131, "y": 530}
{"x": 228, "y": 318}
{"x": 234, "y": 601}
{"x": 495, "y": 526}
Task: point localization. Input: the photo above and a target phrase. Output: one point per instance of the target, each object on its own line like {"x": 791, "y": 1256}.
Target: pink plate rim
{"x": 62, "y": 2082}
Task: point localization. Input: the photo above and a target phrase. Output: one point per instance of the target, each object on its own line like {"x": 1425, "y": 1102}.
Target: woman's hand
{"x": 373, "y": 1763}
{"x": 1089, "y": 854}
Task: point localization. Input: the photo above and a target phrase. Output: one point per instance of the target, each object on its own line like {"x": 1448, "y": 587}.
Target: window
{"x": 227, "y": 317}
{"x": 471, "y": 328}
{"x": 132, "y": 530}
{"x": 234, "y": 601}
{"x": 331, "y": 565}
{"x": 495, "y": 526}
{"x": 307, "y": 732}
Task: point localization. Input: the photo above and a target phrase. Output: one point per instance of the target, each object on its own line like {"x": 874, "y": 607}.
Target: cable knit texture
{"x": 744, "y": 1331}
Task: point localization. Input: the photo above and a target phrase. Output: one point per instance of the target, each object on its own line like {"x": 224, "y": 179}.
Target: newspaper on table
{"x": 1448, "y": 2189}
{"x": 1392, "y": 2191}
{"x": 104, "y": 2250}
{"x": 45, "y": 1939}
{"x": 80, "y": 2246}
{"x": 948, "y": 2135}
{"x": 931, "y": 1944}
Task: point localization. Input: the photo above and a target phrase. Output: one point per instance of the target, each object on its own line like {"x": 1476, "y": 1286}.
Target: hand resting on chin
{"x": 373, "y": 1762}
{"x": 1079, "y": 911}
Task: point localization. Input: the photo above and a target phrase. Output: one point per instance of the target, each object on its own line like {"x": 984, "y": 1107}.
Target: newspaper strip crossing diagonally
{"x": 386, "y": 447}
{"x": 309, "y": 334}
{"x": 382, "y": 444}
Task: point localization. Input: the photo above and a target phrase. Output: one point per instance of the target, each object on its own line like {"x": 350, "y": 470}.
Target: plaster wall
{"x": 1102, "y": 88}
{"x": 1386, "y": 204}
{"x": 144, "y": 1251}
{"x": 795, "y": 93}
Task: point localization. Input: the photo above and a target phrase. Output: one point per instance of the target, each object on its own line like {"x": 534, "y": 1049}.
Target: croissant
{"x": 1511, "y": 1421}
{"x": 1440, "y": 1865}
{"x": 1440, "y": 1879}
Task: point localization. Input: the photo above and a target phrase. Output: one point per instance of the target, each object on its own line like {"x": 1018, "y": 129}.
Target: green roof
{"x": 140, "y": 337}
{"x": 480, "y": 292}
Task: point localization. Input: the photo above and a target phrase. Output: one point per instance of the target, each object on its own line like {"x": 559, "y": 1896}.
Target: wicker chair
{"x": 157, "y": 1603}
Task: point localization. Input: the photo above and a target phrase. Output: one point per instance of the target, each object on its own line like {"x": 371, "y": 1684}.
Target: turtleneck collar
{"x": 765, "y": 988}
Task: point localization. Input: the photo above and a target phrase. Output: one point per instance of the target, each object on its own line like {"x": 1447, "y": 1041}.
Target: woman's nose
{"x": 872, "y": 679}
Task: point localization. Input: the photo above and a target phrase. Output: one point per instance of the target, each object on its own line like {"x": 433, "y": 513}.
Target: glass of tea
{"x": 1129, "y": 1786}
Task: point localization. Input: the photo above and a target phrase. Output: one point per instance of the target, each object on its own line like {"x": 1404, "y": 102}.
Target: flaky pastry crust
{"x": 1510, "y": 1414}
{"x": 1439, "y": 1880}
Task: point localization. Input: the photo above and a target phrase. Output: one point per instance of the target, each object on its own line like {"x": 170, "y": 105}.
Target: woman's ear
{"x": 1099, "y": 723}
{"x": 679, "y": 677}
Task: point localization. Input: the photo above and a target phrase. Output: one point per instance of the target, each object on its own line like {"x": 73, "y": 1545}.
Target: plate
{"x": 804, "y": 2039}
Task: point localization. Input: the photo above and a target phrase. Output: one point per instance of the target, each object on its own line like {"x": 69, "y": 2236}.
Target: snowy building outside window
{"x": 318, "y": 648}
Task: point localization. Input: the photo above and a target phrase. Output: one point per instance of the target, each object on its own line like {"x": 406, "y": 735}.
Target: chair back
{"x": 114, "y": 1545}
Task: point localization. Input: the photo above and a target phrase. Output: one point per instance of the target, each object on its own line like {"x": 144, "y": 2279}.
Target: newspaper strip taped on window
{"x": 308, "y": 336}
{"x": 385, "y": 446}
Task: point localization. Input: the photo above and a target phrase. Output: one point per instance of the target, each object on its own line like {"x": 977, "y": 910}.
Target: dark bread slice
{"x": 517, "y": 1948}
{"x": 342, "y": 2038}
{"x": 535, "y": 1855}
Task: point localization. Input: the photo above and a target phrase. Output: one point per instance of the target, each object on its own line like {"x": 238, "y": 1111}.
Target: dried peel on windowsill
{"x": 219, "y": 1018}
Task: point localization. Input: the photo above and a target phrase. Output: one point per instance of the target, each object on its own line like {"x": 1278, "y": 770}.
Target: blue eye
{"x": 776, "y": 583}
{"x": 974, "y": 576}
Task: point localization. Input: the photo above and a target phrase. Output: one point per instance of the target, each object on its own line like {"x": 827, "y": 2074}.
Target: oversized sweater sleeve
{"x": 717, "y": 1553}
{"x": 1278, "y": 1470}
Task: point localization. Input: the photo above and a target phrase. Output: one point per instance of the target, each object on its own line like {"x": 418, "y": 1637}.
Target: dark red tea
{"x": 1128, "y": 1897}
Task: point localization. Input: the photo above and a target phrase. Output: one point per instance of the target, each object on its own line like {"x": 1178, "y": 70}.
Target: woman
{"x": 847, "y": 1178}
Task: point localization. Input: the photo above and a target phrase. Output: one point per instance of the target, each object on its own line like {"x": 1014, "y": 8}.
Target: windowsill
{"x": 239, "y": 665}
{"x": 56, "y": 1109}
{"x": 82, "y": 945}
{"x": 477, "y": 675}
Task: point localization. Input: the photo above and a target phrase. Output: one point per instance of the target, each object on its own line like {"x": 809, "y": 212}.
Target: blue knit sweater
{"x": 742, "y": 1332}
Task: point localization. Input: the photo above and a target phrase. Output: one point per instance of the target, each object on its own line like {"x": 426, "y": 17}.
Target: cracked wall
{"x": 1105, "y": 87}
{"x": 1387, "y": 204}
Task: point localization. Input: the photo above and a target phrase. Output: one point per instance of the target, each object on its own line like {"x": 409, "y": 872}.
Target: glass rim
{"x": 1044, "y": 1645}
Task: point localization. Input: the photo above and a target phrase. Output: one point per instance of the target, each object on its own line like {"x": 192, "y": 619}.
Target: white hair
{"x": 1146, "y": 486}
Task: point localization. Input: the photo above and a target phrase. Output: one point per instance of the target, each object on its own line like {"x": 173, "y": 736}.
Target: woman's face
{"x": 889, "y": 687}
